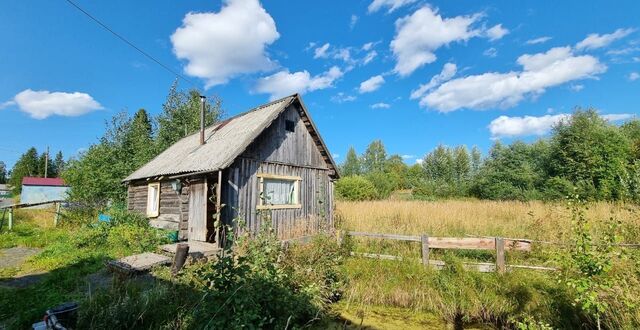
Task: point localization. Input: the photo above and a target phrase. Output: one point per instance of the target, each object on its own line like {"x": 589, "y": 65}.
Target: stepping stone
{"x": 139, "y": 262}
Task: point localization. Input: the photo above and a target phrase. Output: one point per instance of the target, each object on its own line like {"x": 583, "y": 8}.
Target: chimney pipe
{"x": 202, "y": 100}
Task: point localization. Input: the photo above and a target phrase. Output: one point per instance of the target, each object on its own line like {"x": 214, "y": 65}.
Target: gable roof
{"x": 33, "y": 181}
{"x": 224, "y": 142}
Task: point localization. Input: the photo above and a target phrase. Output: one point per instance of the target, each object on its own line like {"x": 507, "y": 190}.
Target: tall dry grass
{"x": 533, "y": 220}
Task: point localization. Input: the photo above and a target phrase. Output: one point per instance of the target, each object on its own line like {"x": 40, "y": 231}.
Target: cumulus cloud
{"x": 448, "y": 71}
{"x": 391, "y": 4}
{"x": 633, "y": 76}
{"x": 341, "y": 97}
{"x": 496, "y": 32}
{"x": 381, "y": 105}
{"x": 420, "y": 34}
{"x": 505, "y": 126}
{"x": 539, "y": 40}
{"x": 371, "y": 84}
{"x": 503, "y": 90}
{"x": 284, "y": 83}
{"x": 219, "y": 46}
{"x": 321, "y": 52}
{"x": 594, "y": 40}
{"x": 42, "y": 104}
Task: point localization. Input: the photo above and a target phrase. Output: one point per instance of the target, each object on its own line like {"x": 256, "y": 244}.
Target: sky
{"x": 412, "y": 73}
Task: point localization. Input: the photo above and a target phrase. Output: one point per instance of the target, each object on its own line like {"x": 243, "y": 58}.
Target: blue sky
{"x": 412, "y": 73}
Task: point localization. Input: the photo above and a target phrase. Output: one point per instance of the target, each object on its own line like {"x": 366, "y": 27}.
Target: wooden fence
{"x": 12, "y": 207}
{"x": 498, "y": 244}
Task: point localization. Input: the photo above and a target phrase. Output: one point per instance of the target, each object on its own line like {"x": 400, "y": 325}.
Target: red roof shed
{"x": 31, "y": 181}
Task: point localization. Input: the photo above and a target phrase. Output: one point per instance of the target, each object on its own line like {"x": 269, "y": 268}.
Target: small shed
{"x": 39, "y": 190}
{"x": 265, "y": 166}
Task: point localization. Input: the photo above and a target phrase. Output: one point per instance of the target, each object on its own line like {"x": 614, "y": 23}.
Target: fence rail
{"x": 498, "y": 244}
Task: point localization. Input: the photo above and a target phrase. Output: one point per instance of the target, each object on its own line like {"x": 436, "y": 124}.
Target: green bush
{"x": 355, "y": 188}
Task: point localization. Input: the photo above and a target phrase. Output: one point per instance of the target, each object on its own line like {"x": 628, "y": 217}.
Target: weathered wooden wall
{"x": 278, "y": 151}
{"x": 174, "y": 208}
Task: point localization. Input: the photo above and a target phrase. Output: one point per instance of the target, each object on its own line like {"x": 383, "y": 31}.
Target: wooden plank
{"x": 500, "y": 255}
{"x": 425, "y": 249}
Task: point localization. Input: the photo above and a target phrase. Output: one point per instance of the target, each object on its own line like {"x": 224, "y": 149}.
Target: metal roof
{"x": 224, "y": 142}
{"x": 32, "y": 181}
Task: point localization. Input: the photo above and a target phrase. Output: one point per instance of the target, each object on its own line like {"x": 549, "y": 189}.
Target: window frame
{"x": 296, "y": 191}
{"x": 151, "y": 213}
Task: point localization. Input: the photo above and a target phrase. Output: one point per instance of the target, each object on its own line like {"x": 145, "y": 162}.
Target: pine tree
{"x": 476, "y": 160}
{"x": 59, "y": 164}
{"x": 351, "y": 165}
{"x": 140, "y": 138}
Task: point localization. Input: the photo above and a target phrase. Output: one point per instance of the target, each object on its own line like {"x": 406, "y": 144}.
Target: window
{"x": 278, "y": 191}
{"x": 153, "y": 199}
{"x": 290, "y": 125}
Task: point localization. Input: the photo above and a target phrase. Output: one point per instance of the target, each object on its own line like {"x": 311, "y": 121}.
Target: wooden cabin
{"x": 265, "y": 166}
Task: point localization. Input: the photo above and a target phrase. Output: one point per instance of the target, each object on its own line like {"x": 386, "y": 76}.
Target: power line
{"x": 131, "y": 44}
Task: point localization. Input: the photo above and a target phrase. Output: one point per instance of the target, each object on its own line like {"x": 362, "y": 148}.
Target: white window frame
{"x": 151, "y": 212}
{"x": 264, "y": 205}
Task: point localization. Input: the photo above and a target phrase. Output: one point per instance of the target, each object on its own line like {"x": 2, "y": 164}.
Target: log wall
{"x": 174, "y": 207}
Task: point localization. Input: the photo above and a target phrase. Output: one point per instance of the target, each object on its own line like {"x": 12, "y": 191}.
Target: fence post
{"x": 424, "y": 239}
{"x": 57, "y": 217}
{"x": 340, "y": 237}
{"x": 10, "y": 218}
{"x": 500, "y": 265}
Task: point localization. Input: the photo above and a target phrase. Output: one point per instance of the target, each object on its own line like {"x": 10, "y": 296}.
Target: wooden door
{"x": 198, "y": 211}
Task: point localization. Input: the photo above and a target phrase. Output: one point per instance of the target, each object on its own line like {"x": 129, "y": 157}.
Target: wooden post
{"x": 10, "y": 218}
{"x": 424, "y": 239}
{"x": 500, "y": 265}
{"x": 182, "y": 252}
{"x": 57, "y": 216}
{"x": 219, "y": 239}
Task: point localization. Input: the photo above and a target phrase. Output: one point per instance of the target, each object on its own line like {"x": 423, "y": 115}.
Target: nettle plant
{"x": 588, "y": 264}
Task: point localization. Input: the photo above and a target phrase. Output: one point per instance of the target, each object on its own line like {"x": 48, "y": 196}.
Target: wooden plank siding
{"x": 174, "y": 208}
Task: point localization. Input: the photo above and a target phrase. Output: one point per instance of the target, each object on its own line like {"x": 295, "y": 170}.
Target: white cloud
{"x": 576, "y": 87}
{"x": 420, "y": 34}
{"x": 419, "y": 161}
{"x": 369, "y": 57}
{"x": 321, "y": 52}
{"x": 505, "y": 126}
{"x": 408, "y": 156}
{"x": 633, "y": 76}
{"x": 284, "y": 83}
{"x": 371, "y": 84}
{"x": 448, "y": 71}
{"x": 491, "y": 52}
{"x": 617, "y": 116}
{"x": 496, "y": 32}
{"x": 336, "y": 156}
{"x": 594, "y": 40}
{"x": 368, "y": 46}
{"x": 503, "y": 90}
{"x": 381, "y": 105}
{"x": 219, "y": 46}
{"x": 391, "y": 4}
{"x": 342, "y": 98}
{"x": 353, "y": 22}
{"x": 7, "y": 104}
{"x": 342, "y": 54}
{"x": 42, "y": 104}
{"x": 539, "y": 40}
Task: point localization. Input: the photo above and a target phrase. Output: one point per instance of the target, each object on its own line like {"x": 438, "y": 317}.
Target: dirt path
{"x": 15, "y": 256}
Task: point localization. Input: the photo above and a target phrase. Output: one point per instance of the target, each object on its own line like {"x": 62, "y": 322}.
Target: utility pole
{"x": 202, "y": 101}
{"x": 46, "y": 162}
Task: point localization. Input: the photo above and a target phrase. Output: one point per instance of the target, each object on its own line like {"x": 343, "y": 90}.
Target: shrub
{"x": 355, "y": 188}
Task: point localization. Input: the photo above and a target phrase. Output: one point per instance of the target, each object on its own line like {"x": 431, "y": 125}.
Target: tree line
{"x": 585, "y": 155}
{"x": 32, "y": 164}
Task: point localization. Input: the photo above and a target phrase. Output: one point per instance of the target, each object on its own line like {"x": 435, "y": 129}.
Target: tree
{"x": 591, "y": 153}
{"x": 59, "y": 164}
{"x": 140, "y": 138}
{"x": 374, "y": 157}
{"x": 27, "y": 165}
{"x": 476, "y": 160}
{"x": 461, "y": 164}
{"x": 181, "y": 115}
{"x": 3, "y": 172}
{"x": 438, "y": 164}
{"x": 351, "y": 165}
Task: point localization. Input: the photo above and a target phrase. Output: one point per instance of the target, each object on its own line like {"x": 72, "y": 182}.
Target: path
{"x": 15, "y": 256}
